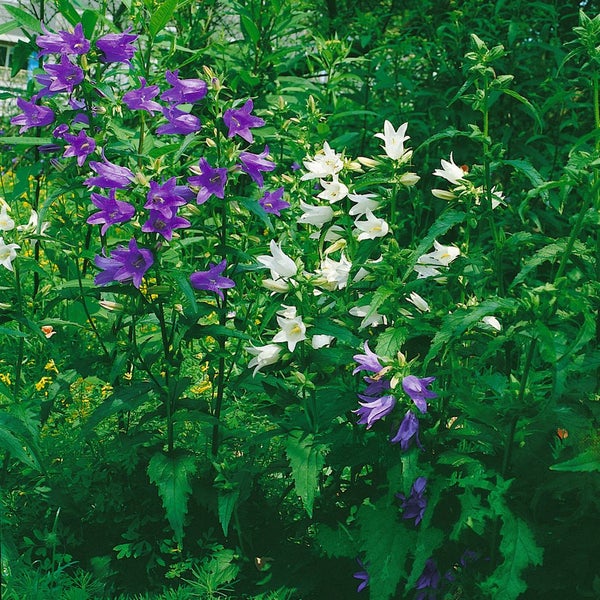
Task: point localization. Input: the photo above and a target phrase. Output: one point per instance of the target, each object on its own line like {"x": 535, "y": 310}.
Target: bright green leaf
{"x": 161, "y": 16}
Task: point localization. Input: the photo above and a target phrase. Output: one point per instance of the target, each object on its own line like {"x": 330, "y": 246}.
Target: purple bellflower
{"x": 212, "y": 280}
{"x": 63, "y": 42}
{"x": 166, "y": 197}
{"x": 208, "y": 180}
{"x": 117, "y": 47}
{"x": 141, "y": 98}
{"x": 273, "y": 203}
{"x": 183, "y": 90}
{"x": 428, "y": 582}
{"x": 369, "y": 361}
{"x": 376, "y": 387}
{"x": 111, "y": 211}
{"x": 417, "y": 390}
{"x": 408, "y": 430}
{"x": 414, "y": 505}
{"x": 163, "y": 224}
{"x": 179, "y": 122}
{"x": 253, "y": 164}
{"x": 239, "y": 121}
{"x": 124, "y": 264}
{"x": 33, "y": 115}
{"x": 373, "y": 410}
{"x": 64, "y": 76}
{"x": 109, "y": 175}
{"x": 80, "y": 145}
{"x": 362, "y": 575}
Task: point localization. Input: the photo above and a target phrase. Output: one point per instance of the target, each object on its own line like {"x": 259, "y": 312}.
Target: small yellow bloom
{"x": 5, "y": 378}
{"x": 42, "y": 383}
{"x": 51, "y": 366}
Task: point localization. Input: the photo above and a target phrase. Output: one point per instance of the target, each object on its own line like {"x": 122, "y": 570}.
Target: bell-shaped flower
{"x": 8, "y": 253}
{"x": 428, "y": 264}
{"x": 117, "y": 47}
{"x": 416, "y": 388}
{"x": 212, "y": 280}
{"x": 321, "y": 341}
{"x": 279, "y": 263}
{"x": 255, "y": 164}
{"x": 414, "y": 505}
{"x": 124, "y": 264}
{"x": 32, "y": 116}
{"x": 333, "y": 274}
{"x": 408, "y": 431}
{"x": 450, "y": 171}
{"x": 293, "y": 330}
{"x": 393, "y": 141}
{"x": 183, "y": 91}
{"x": 369, "y": 361}
{"x": 6, "y": 222}
{"x": 142, "y": 98}
{"x": 326, "y": 163}
{"x": 239, "y": 121}
{"x": 492, "y": 322}
{"x": 371, "y": 410}
{"x": 80, "y": 146}
{"x": 263, "y": 356}
{"x": 370, "y": 318}
{"x": 363, "y": 203}
{"x": 371, "y": 228}
{"x": 209, "y": 181}
{"x": 333, "y": 191}
{"x": 315, "y": 215}
{"x": 419, "y": 302}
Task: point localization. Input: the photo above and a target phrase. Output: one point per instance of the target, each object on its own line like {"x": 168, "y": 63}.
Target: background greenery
{"x": 295, "y": 491}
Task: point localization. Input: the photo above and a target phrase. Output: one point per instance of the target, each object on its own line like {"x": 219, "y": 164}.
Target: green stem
{"x": 21, "y": 342}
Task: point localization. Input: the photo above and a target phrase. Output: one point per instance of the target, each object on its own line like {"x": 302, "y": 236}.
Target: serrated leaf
{"x": 429, "y": 539}
{"x": 161, "y": 16}
{"x": 519, "y": 550}
{"x": 307, "y": 460}
{"x": 587, "y": 461}
{"x": 386, "y": 543}
{"x": 390, "y": 342}
{"x": 171, "y": 474}
{"x": 549, "y": 252}
{"x": 226, "y": 501}
{"x": 27, "y": 22}
{"x": 336, "y": 542}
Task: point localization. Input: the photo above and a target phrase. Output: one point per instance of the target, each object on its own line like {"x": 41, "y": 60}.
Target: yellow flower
{"x": 42, "y": 383}
{"x": 50, "y": 366}
{"x": 5, "y": 378}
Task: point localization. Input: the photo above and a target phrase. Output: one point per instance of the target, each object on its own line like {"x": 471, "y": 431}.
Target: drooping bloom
{"x": 208, "y": 180}
{"x": 492, "y": 322}
{"x": 6, "y": 222}
{"x": 321, "y": 340}
{"x": 117, "y": 47}
{"x": 183, "y": 90}
{"x": 418, "y": 301}
{"x": 263, "y": 356}
{"x": 142, "y": 98}
{"x": 279, "y": 263}
{"x": 362, "y": 576}
{"x": 373, "y": 410}
{"x": 428, "y": 582}
{"x": 124, "y": 264}
{"x": 363, "y": 203}
{"x": 33, "y": 115}
{"x": 417, "y": 390}
{"x": 315, "y": 215}
{"x": 63, "y": 42}
{"x": 414, "y": 505}
{"x": 273, "y": 203}
{"x": 293, "y": 329}
{"x": 179, "y": 122}
{"x": 333, "y": 191}
{"x": 371, "y": 228}
{"x": 165, "y": 197}
{"x": 370, "y": 318}
{"x": 63, "y": 76}
{"x": 240, "y": 121}
{"x": 80, "y": 145}
{"x": 212, "y": 280}
{"x": 159, "y": 222}
{"x": 450, "y": 171}
{"x": 255, "y": 164}
{"x": 109, "y": 175}
{"x": 8, "y": 253}
{"x": 408, "y": 430}
{"x": 428, "y": 265}
{"x": 112, "y": 211}
{"x": 333, "y": 274}
{"x": 369, "y": 361}
{"x": 326, "y": 163}
{"x": 393, "y": 141}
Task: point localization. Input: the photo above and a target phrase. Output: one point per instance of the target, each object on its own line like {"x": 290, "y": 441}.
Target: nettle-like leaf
{"x": 588, "y": 460}
{"x": 519, "y": 550}
{"x": 307, "y": 460}
{"x": 171, "y": 474}
{"x": 386, "y": 544}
